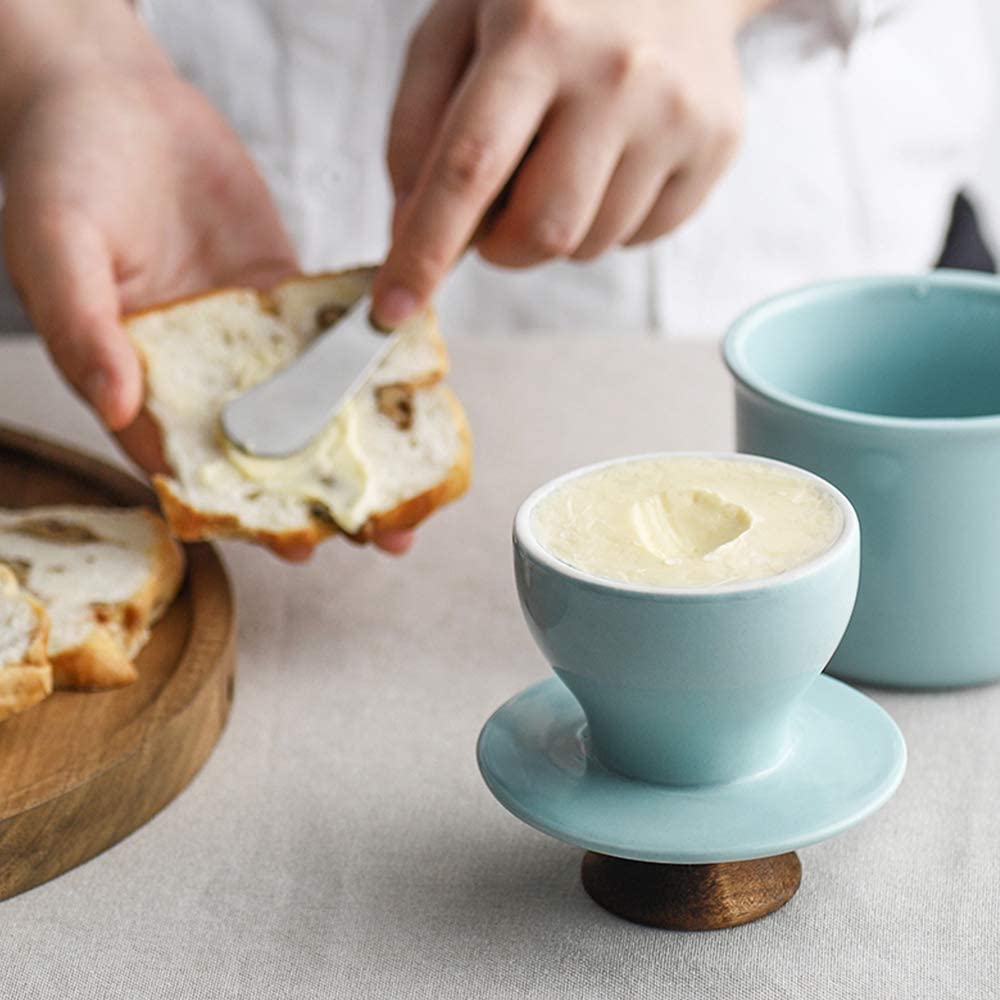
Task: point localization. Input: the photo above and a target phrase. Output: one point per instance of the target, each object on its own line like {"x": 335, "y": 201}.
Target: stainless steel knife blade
{"x": 281, "y": 415}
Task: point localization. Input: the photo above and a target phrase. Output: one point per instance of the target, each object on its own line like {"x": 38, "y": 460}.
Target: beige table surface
{"x": 340, "y": 843}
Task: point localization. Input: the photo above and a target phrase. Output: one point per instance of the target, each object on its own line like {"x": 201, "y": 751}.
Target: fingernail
{"x": 394, "y": 307}
{"x": 97, "y": 390}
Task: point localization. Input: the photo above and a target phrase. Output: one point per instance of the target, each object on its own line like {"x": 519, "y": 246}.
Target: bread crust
{"x": 169, "y": 575}
{"x": 99, "y": 663}
{"x": 23, "y": 687}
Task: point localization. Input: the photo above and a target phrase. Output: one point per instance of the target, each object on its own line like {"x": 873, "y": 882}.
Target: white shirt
{"x": 864, "y": 119}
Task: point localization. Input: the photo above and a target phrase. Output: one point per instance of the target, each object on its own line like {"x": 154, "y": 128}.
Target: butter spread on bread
{"x": 396, "y": 452}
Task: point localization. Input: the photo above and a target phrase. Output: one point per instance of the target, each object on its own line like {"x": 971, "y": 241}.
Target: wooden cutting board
{"x": 82, "y": 770}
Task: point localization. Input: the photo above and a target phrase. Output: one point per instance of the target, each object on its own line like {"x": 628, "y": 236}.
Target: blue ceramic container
{"x": 890, "y": 389}
{"x": 687, "y": 686}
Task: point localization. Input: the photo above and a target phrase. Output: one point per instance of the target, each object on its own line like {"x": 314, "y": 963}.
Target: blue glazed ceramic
{"x": 846, "y": 757}
{"x": 687, "y": 686}
{"x": 890, "y": 389}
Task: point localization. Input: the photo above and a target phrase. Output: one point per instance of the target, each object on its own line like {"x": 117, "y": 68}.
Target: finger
{"x": 437, "y": 56}
{"x": 65, "y": 273}
{"x": 629, "y": 198}
{"x": 489, "y": 124}
{"x": 395, "y": 542}
{"x": 294, "y": 552}
{"x": 683, "y": 192}
{"x": 143, "y": 443}
{"x": 559, "y": 187}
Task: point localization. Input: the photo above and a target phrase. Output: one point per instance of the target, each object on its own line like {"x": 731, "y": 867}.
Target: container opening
{"x": 912, "y": 350}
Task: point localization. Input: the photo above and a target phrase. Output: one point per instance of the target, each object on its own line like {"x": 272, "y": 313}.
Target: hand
{"x": 618, "y": 118}
{"x": 124, "y": 188}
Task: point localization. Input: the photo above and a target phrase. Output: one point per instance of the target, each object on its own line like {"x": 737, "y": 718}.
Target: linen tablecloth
{"x": 340, "y": 843}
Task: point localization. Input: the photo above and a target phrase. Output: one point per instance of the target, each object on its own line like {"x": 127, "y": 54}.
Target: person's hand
{"x": 123, "y": 188}
{"x": 618, "y": 118}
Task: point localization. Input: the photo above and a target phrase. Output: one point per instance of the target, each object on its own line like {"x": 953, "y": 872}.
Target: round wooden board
{"x": 82, "y": 770}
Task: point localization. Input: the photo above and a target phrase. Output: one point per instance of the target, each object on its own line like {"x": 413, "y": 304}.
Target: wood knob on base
{"x": 691, "y": 897}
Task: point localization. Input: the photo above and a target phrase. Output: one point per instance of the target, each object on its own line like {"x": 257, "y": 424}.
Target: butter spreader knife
{"x": 282, "y": 414}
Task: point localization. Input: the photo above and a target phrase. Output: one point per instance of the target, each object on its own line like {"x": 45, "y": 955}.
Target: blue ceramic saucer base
{"x": 846, "y": 759}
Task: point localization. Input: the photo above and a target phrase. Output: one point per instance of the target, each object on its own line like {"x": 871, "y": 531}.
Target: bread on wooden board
{"x": 397, "y": 452}
{"x": 103, "y": 574}
{"x": 25, "y": 671}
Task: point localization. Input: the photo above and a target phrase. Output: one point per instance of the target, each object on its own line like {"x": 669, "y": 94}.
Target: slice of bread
{"x": 25, "y": 671}
{"x": 396, "y": 453}
{"x": 103, "y": 574}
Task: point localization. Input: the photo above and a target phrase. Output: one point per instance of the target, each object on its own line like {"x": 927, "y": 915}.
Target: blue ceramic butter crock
{"x": 889, "y": 388}
{"x": 690, "y": 686}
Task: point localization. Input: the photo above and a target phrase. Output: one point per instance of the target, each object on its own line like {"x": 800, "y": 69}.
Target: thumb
{"x": 65, "y": 274}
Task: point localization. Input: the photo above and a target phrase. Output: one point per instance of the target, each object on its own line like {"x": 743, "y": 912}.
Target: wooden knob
{"x": 691, "y": 897}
